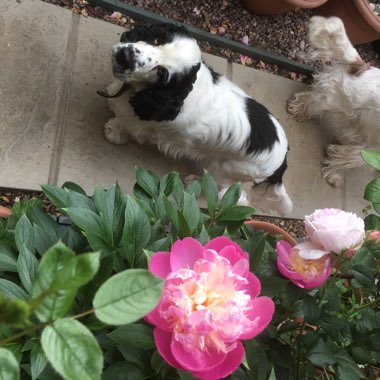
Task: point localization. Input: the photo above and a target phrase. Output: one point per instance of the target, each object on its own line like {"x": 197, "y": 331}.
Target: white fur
{"x": 344, "y": 97}
{"x": 212, "y": 126}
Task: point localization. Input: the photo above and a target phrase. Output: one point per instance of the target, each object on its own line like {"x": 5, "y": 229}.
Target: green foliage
{"x": 81, "y": 314}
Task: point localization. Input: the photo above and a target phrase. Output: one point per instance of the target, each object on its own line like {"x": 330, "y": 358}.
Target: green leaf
{"x": 78, "y": 271}
{"x": 371, "y": 158}
{"x": 72, "y": 350}
{"x": 127, "y": 296}
{"x": 257, "y": 360}
{"x": 332, "y": 325}
{"x": 195, "y": 188}
{"x": 24, "y": 234}
{"x": 9, "y": 369}
{"x": 191, "y": 211}
{"x": 48, "y": 224}
{"x": 27, "y": 265}
{"x": 148, "y": 181}
{"x": 372, "y": 222}
{"x": 311, "y": 310}
{"x": 11, "y": 290}
{"x": 235, "y": 213}
{"x": 168, "y": 183}
{"x": 55, "y": 302}
{"x": 85, "y": 219}
{"x": 14, "y": 312}
{"x": 372, "y": 191}
{"x": 98, "y": 243}
{"x": 184, "y": 229}
{"x": 38, "y": 361}
{"x": 256, "y": 250}
{"x": 57, "y": 196}
{"x": 363, "y": 275}
{"x": 319, "y": 354}
{"x": 347, "y": 368}
{"x": 136, "y": 233}
{"x": 137, "y": 356}
{"x": 134, "y": 335}
{"x": 210, "y": 191}
{"x": 118, "y": 371}
{"x": 8, "y": 262}
{"x": 231, "y": 196}
{"x": 203, "y": 237}
{"x": 73, "y": 187}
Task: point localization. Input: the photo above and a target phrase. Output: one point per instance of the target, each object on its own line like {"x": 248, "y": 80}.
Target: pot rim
{"x": 366, "y": 12}
{"x": 272, "y": 229}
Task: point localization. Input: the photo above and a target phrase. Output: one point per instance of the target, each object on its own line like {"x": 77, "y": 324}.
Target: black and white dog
{"x": 165, "y": 95}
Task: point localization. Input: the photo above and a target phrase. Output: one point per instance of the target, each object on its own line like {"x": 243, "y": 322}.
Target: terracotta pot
{"x": 272, "y": 230}
{"x": 270, "y": 7}
{"x": 361, "y": 23}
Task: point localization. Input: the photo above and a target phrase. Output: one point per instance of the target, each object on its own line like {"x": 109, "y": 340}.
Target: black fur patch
{"x": 263, "y": 132}
{"x": 164, "y": 100}
{"x": 214, "y": 74}
{"x": 125, "y": 58}
{"x": 154, "y": 34}
{"x": 276, "y": 177}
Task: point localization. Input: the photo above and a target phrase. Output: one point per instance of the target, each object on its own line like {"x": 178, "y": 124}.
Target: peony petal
{"x": 310, "y": 251}
{"x": 241, "y": 267}
{"x": 284, "y": 249}
{"x": 253, "y": 288}
{"x": 155, "y": 319}
{"x": 221, "y": 242}
{"x": 195, "y": 360}
{"x": 160, "y": 264}
{"x": 232, "y": 361}
{"x": 163, "y": 341}
{"x": 262, "y": 309}
{"x": 185, "y": 253}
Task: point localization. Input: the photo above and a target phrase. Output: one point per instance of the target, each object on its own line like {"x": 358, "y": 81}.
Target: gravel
{"x": 283, "y": 34}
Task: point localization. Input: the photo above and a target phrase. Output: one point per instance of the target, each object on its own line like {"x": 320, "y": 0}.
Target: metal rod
{"x": 199, "y": 34}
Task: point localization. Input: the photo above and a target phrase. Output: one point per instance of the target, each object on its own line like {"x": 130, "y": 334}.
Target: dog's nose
{"x": 125, "y": 58}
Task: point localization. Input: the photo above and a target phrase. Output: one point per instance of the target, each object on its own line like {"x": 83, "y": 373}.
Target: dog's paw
{"x": 332, "y": 177}
{"x": 296, "y": 107}
{"x": 114, "y": 132}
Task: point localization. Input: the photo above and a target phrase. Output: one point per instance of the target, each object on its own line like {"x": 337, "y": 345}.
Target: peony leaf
{"x": 27, "y": 266}
{"x": 24, "y": 234}
{"x": 11, "y": 290}
{"x": 319, "y": 354}
{"x": 136, "y": 233}
{"x": 38, "y": 361}
{"x": 363, "y": 275}
{"x": 57, "y": 196}
{"x": 231, "y": 196}
{"x": 85, "y": 219}
{"x": 120, "y": 370}
{"x": 72, "y": 350}
{"x": 235, "y": 213}
{"x": 148, "y": 181}
{"x": 134, "y": 335}
{"x": 9, "y": 369}
{"x": 210, "y": 191}
{"x": 127, "y": 296}
{"x": 168, "y": 183}
{"x": 372, "y": 191}
{"x": 371, "y": 158}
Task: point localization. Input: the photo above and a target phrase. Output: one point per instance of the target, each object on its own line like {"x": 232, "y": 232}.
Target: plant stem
{"x": 372, "y": 303}
{"x": 40, "y": 326}
{"x": 25, "y": 332}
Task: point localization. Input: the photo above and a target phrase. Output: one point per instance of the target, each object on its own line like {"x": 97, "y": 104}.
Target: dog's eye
{"x": 157, "y": 41}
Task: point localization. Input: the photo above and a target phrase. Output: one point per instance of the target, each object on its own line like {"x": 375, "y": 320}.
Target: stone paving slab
{"x": 51, "y": 125}
{"x": 33, "y": 43}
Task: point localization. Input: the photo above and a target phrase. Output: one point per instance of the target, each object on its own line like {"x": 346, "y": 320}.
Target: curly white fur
{"x": 344, "y": 96}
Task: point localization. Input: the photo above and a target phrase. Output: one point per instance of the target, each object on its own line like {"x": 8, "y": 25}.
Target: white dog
{"x": 345, "y": 97}
{"x": 165, "y": 95}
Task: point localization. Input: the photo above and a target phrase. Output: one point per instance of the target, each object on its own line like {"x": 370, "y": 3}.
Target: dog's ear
{"x": 163, "y": 101}
{"x": 162, "y": 76}
{"x": 138, "y": 33}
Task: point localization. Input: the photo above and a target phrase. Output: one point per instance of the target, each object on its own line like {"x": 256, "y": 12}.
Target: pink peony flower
{"x": 303, "y": 272}
{"x": 209, "y": 303}
{"x": 335, "y": 230}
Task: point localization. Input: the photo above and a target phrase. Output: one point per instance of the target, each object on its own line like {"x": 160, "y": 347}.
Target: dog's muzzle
{"x": 123, "y": 59}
